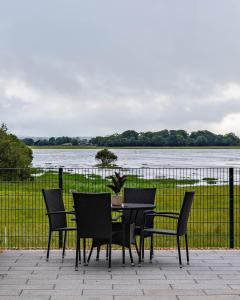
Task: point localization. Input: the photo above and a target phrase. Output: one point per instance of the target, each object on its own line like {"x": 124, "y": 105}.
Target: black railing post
{"x": 60, "y": 186}
{"x": 231, "y": 208}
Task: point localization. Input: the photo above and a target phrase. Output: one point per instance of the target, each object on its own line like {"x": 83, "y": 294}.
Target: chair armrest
{"x": 171, "y": 215}
{"x": 60, "y": 212}
{"x": 168, "y": 213}
{"x": 165, "y": 215}
{"x": 159, "y": 214}
{"x": 70, "y": 212}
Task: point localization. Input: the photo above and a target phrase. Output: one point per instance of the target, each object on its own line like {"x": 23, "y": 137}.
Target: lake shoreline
{"x": 62, "y": 147}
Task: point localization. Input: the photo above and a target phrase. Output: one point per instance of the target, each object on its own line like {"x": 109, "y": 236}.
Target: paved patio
{"x": 212, "y": 274}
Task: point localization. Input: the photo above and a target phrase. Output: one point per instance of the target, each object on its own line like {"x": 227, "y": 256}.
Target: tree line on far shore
{"x": 166, "y": 138}
{"x": 55, "y": 141}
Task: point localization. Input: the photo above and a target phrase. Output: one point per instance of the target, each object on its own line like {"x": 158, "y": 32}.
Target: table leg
{"x": 123, "y": 247}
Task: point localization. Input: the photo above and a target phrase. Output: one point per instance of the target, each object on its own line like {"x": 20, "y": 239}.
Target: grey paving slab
{"x": 54, "y": 281}
{"x": 85, "y": 276}
{"x": 219, "y": 272}
{"x": 24, "y": 297}
{"x": 212, "y": 297}
{"x": 222, "y": 281}
{"x": 125, "y": 292}
{"x": 27, "y": 286}
{"x": 222, "y": 292}
{"x": 37, "y": 276}
{"x": 230, "y": 276}
{"x": 9, "y": 292}
{"x": 141, "y": 286}
{"x": 166, "y": 281}
{"x": 145, "y": 297}
{"x": 166, "y": 293}
{"x": 187, "y": 276}
{"x": 140, "y": 276}
{"x": 79, "y": 286}
{"x": 7, "y": 262}
{"x": 202, "y": 286}
{"x": 4, "y": 268}
{"x": 51, "y": 293}
{"x": 234, "y": 286}
{"x": 82, "y": 297}
{"x": 112, "y": 281}
{"x": 13, "y": 281}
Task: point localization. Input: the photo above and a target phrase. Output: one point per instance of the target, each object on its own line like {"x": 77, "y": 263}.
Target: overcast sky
{"x": 96, "y": 67}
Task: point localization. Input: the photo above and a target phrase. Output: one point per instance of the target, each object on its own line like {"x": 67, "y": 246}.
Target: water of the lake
{"x": 194, "y": 161}
{"x": 138, "y": 158}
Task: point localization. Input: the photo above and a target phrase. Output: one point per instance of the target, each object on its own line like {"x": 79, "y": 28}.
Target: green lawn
{"x": 24, "y": 224}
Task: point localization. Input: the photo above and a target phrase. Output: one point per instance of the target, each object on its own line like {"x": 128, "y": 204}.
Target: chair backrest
{"x": 139, "y": 195}
{"x": 184, "y": 213}
{"x": 54, "y": 202}
{"x": 93, "y": 214}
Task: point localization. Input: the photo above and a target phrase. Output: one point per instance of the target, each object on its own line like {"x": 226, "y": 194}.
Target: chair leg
{"x": 179, "y": 251}
{"x": 49, "y": 243}
{"x": 123, "y": 245}
{"x": 142, "y": 259}
{"x": 186, "y": 242}
{"x": 141, "y": 248}
{"x": 98, "y": 252}
{"x": 107, "y": 253}
{"x": 64, "y": 244}
{"x": 84, "y": 252}
{"x": 151, "y": 248}
{"x": 131, "y": 257}
{"x": 123, "y": 255}
{"x": 90, "y": 254}
{"x": 77, "y": 252}
{"x": 136, "y": 246}
{"x": 110, "y": 256}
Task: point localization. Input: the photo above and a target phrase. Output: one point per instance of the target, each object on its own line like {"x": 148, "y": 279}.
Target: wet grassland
{"x": 23, "y": 223}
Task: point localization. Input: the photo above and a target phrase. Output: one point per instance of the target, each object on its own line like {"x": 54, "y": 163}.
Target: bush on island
{"x": 105, "y": 157}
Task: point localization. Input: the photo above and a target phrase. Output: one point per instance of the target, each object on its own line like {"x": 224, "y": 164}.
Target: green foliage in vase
{"x": 117, "y": 182}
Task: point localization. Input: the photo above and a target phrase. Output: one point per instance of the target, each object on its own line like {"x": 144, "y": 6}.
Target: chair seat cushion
{"x": 160, "y": 231}
{"x": 138, "y": 232}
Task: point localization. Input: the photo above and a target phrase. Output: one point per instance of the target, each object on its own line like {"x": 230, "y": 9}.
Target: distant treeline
{"x": 168, "y": 138}
{"x": 55, "y": 141}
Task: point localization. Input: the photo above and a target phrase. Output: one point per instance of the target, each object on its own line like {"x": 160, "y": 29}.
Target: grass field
{"x": 23, "y": 223}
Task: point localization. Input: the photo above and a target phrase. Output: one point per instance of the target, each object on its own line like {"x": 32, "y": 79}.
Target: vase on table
{"x": 116, "y": 200}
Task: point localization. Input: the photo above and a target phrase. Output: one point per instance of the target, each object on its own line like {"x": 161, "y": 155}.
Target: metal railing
{"x": 214, "y": 220}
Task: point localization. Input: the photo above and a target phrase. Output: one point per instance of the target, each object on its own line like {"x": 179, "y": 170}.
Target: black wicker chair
{"x": 94, "y": 220}
{"x": 139, "y": 195}
{"x": 56, "y": 215}
{"x": 182, "y": 220}
{"x": 131, "y": 195}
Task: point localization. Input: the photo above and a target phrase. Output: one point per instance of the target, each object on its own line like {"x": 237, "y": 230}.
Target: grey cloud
{"x": 93, "y": 58}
